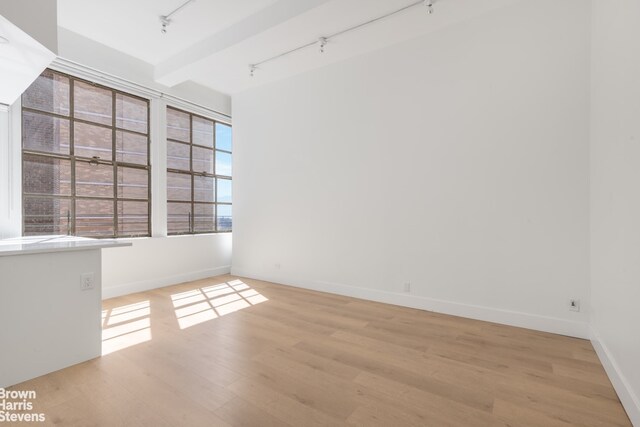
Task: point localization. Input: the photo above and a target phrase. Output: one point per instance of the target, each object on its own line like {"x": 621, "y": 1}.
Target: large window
{"x": 198, "y": 174}
{"x": 85, "y": 159}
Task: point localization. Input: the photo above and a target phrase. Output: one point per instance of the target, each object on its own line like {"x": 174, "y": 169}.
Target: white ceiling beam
{"x": 179, "y": 68}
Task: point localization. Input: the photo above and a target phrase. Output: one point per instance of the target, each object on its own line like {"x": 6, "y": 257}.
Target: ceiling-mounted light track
{"x": 4, "y": 40}
{"x": 165, "y": 20}
{"x": 322, "y": 41}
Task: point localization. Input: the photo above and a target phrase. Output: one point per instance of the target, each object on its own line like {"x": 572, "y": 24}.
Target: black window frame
{"x": 74, "y": 159}
{"x": 193, "y": 174}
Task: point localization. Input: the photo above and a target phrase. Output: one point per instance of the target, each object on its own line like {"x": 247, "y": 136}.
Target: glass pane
{"x": 223, "y": 163}
{"x": 50, "y": 92}
{"x": 224, "y": 190}
{"x": 94, "y": 180}
{"x": 92, "y": 103}
{"x": 133, "y": 218}
{"x": 224, "y": 218}
{"x": 133, "y": 183}
{"x": 202, "y": 160}
{"x": 45, "y": 133}
{"x": 178, "y": 217}
{"x": 178, "y": 125}
{"x": 223, "y": 137}
{"x": 90, "y": 140}
{"x": 44, "y": 215}
{"x": 204, "y": 218}
{"x": 131, "y": 113}
{"x": 202, "y": 132}
{"x": 204, "y": 189}
{"x": 132, "y": 148}
{"x": 45, "y": 175}
{"x": 94, "y": 218}
{"x": 178, "y": 186}
{"x": 178, "y": 156}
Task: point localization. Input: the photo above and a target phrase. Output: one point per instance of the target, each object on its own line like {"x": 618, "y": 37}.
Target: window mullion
{"x": 72, "y": 148}
{"x": 193, "y": 179}
{"x": 115, "y": 164}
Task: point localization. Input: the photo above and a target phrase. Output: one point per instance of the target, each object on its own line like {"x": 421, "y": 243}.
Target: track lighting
{"x": 4, "y": 40}
{"x": 323, "y": 42}
{"x": 429, "y": 4}
{"x": 165, "y": 20}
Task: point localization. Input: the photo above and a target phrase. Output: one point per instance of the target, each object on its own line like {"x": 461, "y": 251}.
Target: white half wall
{"x": 615, "y": 196}
{"x": 155, "y": 262}
{"x": 457, "y": 162}
{"x": 49, "y": 322}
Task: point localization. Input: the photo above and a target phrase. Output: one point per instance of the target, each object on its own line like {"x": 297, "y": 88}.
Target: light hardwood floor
{"x": 239, "y": 352}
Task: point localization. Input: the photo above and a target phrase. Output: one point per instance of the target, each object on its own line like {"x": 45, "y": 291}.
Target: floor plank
{"x": 228, "y": 351}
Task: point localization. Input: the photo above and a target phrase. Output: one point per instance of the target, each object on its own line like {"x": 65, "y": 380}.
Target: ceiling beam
{"x": 179, "y": 68}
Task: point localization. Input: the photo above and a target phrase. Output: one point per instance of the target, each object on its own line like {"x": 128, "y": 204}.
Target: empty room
{"x": 320, "y": 213}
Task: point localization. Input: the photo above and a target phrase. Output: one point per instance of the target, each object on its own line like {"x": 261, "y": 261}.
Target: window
{"x": 198, "y": 174}
{"x": 85, "y": 159}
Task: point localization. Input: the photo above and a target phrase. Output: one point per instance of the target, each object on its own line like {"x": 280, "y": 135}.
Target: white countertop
{"x": 46, "y": 244}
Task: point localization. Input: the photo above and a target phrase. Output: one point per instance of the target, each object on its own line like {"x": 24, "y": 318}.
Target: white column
{"x": 158, "y": 168}
{"x": 10, "y": 171}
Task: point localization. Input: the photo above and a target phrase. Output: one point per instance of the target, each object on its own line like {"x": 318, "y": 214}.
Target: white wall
{"x": 156, "y": 262}
{"x": 615, "y": 195}
{"x": 457, "y": 161}
{"x": 10, "y": 175}
{"x": 5, "y": 187}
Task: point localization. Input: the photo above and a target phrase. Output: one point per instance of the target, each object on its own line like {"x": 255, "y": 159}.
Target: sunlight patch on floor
{"x": 203, "y": 304}
{"x": 125, "y": 326}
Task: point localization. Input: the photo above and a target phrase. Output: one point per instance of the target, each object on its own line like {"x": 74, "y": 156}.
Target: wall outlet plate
{"x": 86, "y": 281}
{"x": 574, "y": 304}
{"x": 407, "y": 286}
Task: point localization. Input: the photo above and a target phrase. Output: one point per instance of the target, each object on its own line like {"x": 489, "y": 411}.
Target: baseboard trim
{"x": 147, "y": 285}
{"x": 506, "y": 317}
{"x": 629, "y": 399}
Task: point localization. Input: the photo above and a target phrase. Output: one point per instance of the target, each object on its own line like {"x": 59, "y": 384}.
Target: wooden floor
{"x": 228, "y": 351}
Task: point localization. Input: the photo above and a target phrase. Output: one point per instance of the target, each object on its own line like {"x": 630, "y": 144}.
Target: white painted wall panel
{"x": 457, "y": 161}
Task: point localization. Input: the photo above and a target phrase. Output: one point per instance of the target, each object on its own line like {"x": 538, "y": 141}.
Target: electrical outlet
{"x": 407, "y": 286}
{"x": 86, "y": 281}
{"x": 277, "y": 266}
{"x": 574, "y": 304}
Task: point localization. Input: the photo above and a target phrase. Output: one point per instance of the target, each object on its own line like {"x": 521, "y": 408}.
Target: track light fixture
{"x": 165, "y": 20}
{"x": 429, "y": 4}
{"x": 4, "y": 40}
{"x": 323, "y": 41}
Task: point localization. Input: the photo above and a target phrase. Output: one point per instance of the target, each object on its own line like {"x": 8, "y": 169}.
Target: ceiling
{"x": 133, "y": 26}
{"x": 212, "y": 42}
